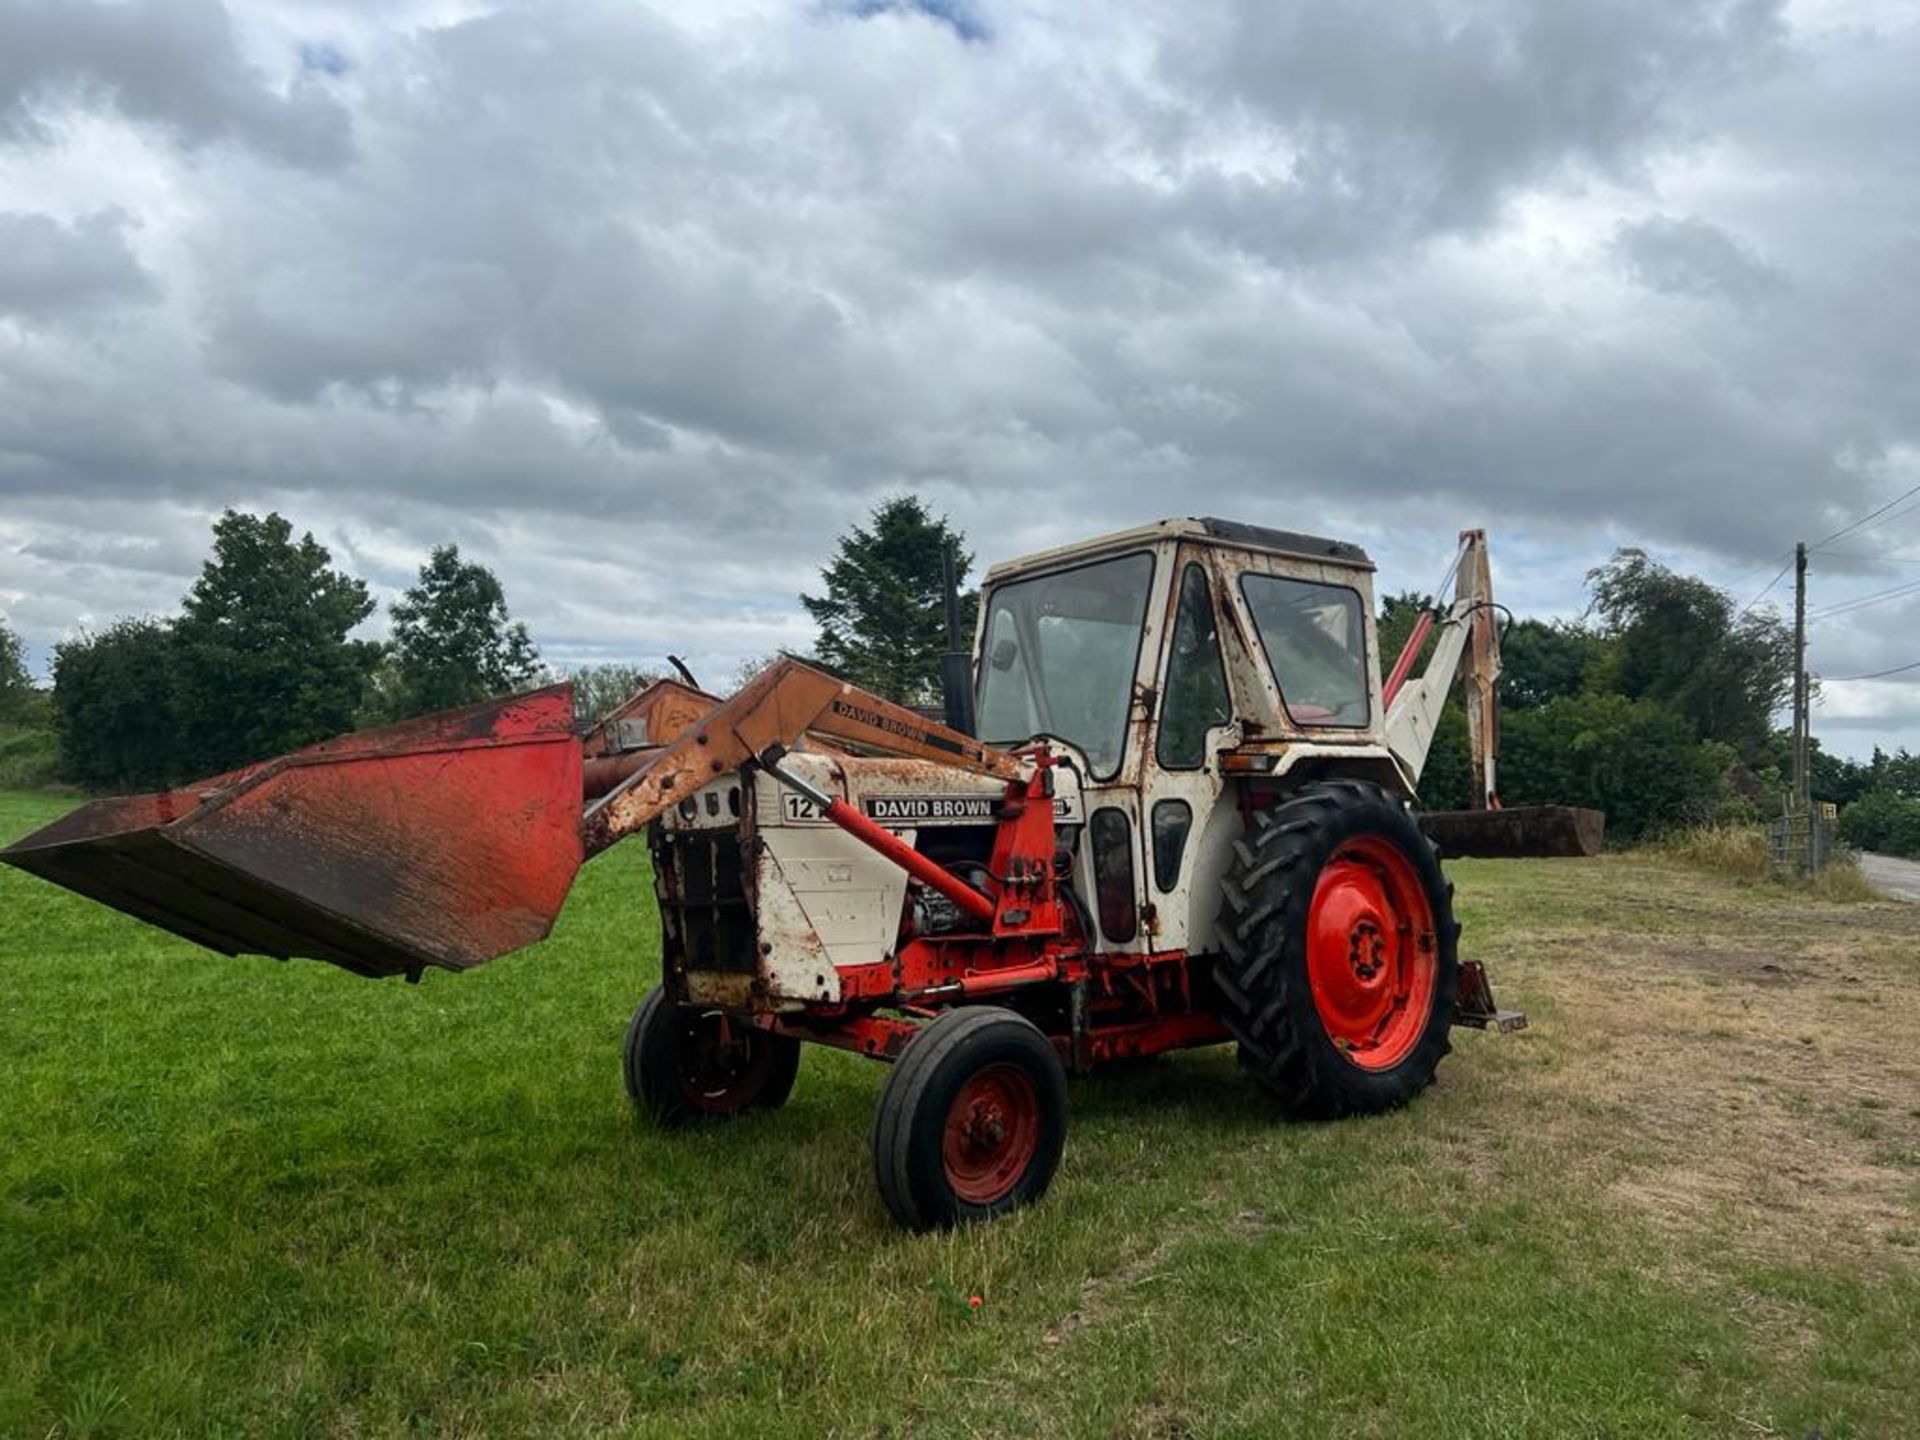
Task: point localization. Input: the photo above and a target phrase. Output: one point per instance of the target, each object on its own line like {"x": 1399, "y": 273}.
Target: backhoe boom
{"x": 1467, "y": 650}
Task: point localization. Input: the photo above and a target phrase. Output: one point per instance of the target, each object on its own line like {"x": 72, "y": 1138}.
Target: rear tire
{"x": 971, "y": 1120}
{"x": 1339, "y": 969}
{"x": 683, "y": 1064}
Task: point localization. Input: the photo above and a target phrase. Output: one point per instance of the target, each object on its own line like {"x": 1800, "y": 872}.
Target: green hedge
{"x": 1635, "y": 759}
{"x": 1883, "y": 821}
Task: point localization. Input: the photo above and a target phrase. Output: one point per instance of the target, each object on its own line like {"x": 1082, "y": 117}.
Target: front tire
{"x": 971, "y": 1120}
{"x": 1339, "y": 970}
{"x": 683, "y": 1064}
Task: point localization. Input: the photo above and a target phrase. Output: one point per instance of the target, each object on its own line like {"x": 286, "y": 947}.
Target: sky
{"x": 643, "y": 305}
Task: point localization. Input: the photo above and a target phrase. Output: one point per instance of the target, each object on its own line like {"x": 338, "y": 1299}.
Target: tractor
{"x": 1170, "y": 803}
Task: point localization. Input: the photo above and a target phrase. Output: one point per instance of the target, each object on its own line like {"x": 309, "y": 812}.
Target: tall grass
{"x": 1741, "y": 852}
{"x": 27, "y": 757}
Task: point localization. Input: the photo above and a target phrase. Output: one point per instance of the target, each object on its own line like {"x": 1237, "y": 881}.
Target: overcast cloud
{"x": 642, "y": 305}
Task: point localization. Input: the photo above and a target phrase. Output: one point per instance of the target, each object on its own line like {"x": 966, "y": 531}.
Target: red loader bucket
{"x": 446, "y": 840}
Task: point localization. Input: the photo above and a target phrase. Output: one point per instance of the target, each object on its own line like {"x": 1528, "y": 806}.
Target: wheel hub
{"x": 1370, "y": 952}
{"x": 992, "y": 1134}
{"x": 722, "y": 1063}
{"x": 985, "y": 1126}
{"x": 1366, "y": 950}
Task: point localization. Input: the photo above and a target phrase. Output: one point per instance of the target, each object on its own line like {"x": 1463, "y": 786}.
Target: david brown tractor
{"x": 1171, "y": 807}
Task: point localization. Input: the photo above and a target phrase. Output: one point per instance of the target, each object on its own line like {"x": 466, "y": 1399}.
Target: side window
{"x": 1315, "y": 638}
{"x": 1196, "y": 679}
{"x": 1172, "y": 821}
{"x": 1006, "y": 706}
{"x": 1113, "y": 874}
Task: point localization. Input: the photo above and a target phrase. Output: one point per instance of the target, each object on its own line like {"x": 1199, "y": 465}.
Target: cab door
{"x": 1181, "y": 782}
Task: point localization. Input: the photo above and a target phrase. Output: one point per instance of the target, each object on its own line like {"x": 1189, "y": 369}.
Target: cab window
{"x": 1060, "y": 654}
{"x": 1196, "y": 680}
{"x": 1315, "y": 640}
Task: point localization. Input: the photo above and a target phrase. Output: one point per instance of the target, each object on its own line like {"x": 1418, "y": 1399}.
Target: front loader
{"x": 1184, "y": 818}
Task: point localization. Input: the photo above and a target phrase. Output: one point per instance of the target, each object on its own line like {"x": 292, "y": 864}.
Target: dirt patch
{"x": 1757, "y": 967}
{"x": 1101, "y": 1294}
{"x": 1735, "y": 1067}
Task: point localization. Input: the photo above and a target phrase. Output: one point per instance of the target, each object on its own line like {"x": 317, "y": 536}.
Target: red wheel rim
{"x": 1373, "y": 956}
{"x": 722, "y": 1063}
{"x": 992, "y": 1134}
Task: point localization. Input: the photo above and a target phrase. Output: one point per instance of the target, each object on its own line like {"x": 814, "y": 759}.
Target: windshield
{"x": 1060, "y": 654}
{"x": 1316, "y": 643}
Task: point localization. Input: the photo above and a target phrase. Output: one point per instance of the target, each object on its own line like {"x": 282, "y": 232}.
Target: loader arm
{"x": 1467, "y": 650}
{"x": 777, "y": 708}
{"x": 454, "y": 838}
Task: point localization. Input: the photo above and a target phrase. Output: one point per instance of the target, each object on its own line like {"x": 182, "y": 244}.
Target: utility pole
{"x": 1802, "y": 723}
{"x": 1795, "y": 841}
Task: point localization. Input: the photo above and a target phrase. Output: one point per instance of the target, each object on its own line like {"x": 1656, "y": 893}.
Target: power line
{"x": 1866, "y": 519}
{"x": 1760, "y": 569}
{"x": 1770, "y": 584}
{"x": 1875, "y": 674}
{"x": 1905, "y": 508}
{"x": 1876, "y": 559}
{"x": 1860, "y": 602}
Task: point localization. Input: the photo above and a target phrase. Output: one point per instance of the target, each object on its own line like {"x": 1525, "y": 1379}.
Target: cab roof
{"x": 1229, "y": 534}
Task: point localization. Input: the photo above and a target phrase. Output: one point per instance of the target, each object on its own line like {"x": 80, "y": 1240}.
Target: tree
{"x": 18, "y": 698}
{"x": 883, "y": 617}
{"x": 454, "y": 641}
{"x": 754, "y": 664}
{"x": 597, "y": 689}
{"x": 1676, "y": 640}
{"x": 1540, "y": 660}
{"x": 1898, "y": 772}
{"x": 1546, "y": 659}
{"x": 1883, "y": 821}
{"x": 263, "y": 661}
{"x": 1829, "y": 777}
{"x": 1635, "y": 759}
{"x": 115, "y": 714}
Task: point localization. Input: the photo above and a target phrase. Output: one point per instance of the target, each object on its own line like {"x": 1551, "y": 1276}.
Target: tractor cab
{"x": 1175, "y": 662}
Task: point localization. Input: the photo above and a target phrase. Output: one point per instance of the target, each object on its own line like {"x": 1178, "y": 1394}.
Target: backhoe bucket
{"x": 446, "y": 840}
{"x": 1524, "y": 830}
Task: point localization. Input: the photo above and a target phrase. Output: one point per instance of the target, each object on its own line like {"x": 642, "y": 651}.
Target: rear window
{"x": 1315, "y": 638}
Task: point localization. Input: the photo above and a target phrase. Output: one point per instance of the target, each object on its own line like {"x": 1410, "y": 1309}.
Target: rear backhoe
{"x": 1173, "y": 807}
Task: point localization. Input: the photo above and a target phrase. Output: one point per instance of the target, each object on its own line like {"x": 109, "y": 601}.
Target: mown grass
{"x": 242, "y": 1198}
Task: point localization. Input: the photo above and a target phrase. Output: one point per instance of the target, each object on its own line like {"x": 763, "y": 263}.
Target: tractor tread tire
{"x": 1261, "y": 974}
{"x": 653, "y": 1085}
{"x": 912, "y": 1112}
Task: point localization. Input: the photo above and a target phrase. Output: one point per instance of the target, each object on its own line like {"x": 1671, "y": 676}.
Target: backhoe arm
{"x": 1467, "y": 650}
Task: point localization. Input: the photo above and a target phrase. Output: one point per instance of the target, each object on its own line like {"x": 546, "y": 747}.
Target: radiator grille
{"x": 706, "y": 923}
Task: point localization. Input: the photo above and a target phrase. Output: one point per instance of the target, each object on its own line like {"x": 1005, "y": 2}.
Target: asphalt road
{"x": 1899, "y": 878}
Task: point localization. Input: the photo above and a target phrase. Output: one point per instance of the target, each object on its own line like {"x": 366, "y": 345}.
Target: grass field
{"x": 243, "y": 1198}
